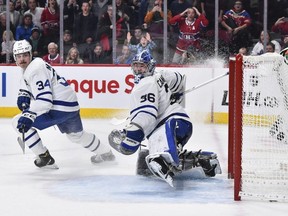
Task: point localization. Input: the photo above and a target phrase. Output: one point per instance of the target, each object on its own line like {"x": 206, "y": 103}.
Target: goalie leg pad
{"x": 177, "y": 131}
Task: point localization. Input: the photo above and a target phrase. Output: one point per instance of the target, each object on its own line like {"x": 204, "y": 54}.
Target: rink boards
{"x": 103, "y": 91}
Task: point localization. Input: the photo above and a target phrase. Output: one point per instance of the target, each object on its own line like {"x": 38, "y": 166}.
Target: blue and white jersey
{"x": 47, "y": 89}
{"x": 150, "y": 104}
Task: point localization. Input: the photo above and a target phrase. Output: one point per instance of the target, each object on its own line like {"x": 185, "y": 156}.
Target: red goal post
{"x": 258, "y": 127}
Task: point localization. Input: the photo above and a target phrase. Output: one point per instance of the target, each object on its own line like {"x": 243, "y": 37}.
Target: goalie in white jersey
{"x": 46, "y": 99}
{"x": 156, "y": 113}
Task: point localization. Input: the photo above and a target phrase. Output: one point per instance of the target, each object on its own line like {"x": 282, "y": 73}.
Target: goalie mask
{"x": 143, "y": 65}
{"x": 284, "y": 53}
{"x": 22, "y": 46}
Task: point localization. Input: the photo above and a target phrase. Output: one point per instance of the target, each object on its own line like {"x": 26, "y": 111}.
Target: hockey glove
{"x": 25, "y": 121}
{"x": 176, "y": 97}
{"x": 23, "y": 100}
{"x": 128, "y": 140}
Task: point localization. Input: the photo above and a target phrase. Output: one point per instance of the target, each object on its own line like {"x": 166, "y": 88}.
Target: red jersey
{"x": 282, "y": 28}
{"x": 189, "y": 31}
{"x": 50, "y": 22}
{"x": 50, "y": 60}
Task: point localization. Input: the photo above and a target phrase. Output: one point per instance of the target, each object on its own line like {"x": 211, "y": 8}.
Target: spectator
{"x": 35, "y": 12}
{"x": 137, "y": 33}
{"x": 23, "y": 31}
{"x": 3, "y": 25}
{"x": 68, "y": 42}
{"x": 281, "y": 26}
{"x": 73, "y": 57}
{"x": 50, "y": 18}
{"x": 126, "y": 57}
{"x": 155, "y": 24}
{"x": 178, "y": 6}
{"x": 208, "y": 10}
{"x": 124, "y": 11}
{"x": 21, "y": 6}
{"x": 37, "y": 42}
{"x": 146, "y": 43}
{"x": 99, "y": 7}
{"x": 258, "y": 48}
{"x": 270, "y": 47}
{"x": 243, "y": 51}
{"x": 15, "y": 16}
{"x": 71, "y": 10}
{"x": 99, "y": 56}
{"x": 236, "y": 21}
{"x": 105, "y": 29}
{"x": 190, "y": 28}
{"x": 284, "y": 42}
{"x": 85, "y": 27}
{"x": 154, "y": 19}
{"x": 7, "y": 47}
{"x": 53, "y": 56}
{"x": 134, "y": 15}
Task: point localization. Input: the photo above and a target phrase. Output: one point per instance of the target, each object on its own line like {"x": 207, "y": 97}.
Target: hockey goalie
{"x": 156, "y": 114}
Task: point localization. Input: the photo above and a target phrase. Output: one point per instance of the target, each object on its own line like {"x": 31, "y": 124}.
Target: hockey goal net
{"x": 258, "y": 127}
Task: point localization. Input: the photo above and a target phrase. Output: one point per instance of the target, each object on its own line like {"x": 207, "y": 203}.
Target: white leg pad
{"x": 158, "y": 144}
{"x": 89, "y": 141}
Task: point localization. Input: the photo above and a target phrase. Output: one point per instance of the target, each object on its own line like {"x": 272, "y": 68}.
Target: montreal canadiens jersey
{"x": 150, "y": 104}
{"x": 47, "y": 89}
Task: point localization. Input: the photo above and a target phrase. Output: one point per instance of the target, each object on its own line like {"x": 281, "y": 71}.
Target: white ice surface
{"x": 79, "y": 188}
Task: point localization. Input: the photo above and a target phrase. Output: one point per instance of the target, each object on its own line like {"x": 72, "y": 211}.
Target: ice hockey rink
{"x": 79, "y": 188}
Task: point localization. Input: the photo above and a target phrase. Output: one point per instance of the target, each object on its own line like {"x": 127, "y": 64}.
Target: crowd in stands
{"x": 88, "y": 29}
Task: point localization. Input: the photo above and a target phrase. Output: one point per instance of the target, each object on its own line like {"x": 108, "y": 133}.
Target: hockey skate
{"x": 99, "y": 158}
{"x": 45, "y": 160}
{"x": 160, "y": 168}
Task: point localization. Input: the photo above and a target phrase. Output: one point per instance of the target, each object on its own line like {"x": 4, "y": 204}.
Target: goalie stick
{"x": 205, "y": 83}
{"x": 115, "y": 121}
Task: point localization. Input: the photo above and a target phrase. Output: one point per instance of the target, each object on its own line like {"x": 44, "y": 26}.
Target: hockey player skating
{"x": 156, "y": 114}
{"x": 46, "y": 99}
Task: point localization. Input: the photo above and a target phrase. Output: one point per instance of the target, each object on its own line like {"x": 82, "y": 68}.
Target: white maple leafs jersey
{"x": 150, "y": 104}
{"x": 48, "y": 90}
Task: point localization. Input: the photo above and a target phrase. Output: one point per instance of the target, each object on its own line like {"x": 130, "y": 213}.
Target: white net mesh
{"x": 265, "y": 128}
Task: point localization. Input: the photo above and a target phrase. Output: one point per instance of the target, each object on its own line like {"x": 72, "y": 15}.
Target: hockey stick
{"x": 116, "y": 121}
{"x": 22, "y": 141}
{"x": 205, "y": 83}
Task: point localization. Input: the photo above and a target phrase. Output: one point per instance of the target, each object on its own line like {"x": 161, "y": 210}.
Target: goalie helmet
{"x": 284, "y": 53}
{"x": 22, "y": 46}
{"x": 143, "y": 59}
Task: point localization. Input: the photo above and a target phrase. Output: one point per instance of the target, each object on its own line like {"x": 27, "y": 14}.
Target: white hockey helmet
{"x": 143, "y": 57}
{"x": 22, "y": 46}
{"x": 284, "y": 53}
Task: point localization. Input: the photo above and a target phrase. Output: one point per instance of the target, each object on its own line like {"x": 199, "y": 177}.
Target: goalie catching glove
{"x": 128, "y": 140}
